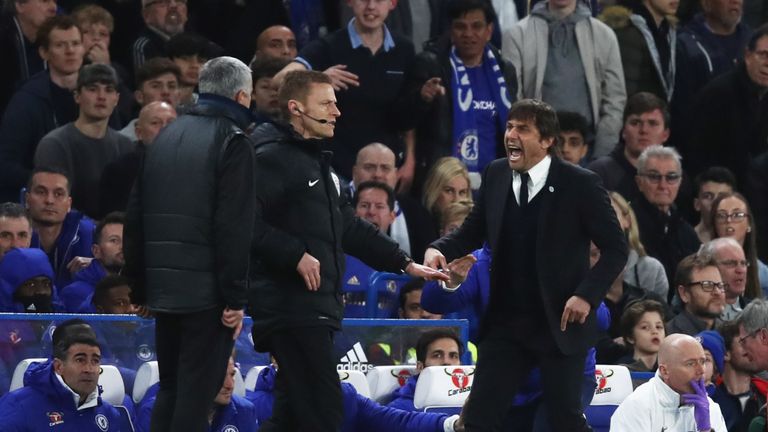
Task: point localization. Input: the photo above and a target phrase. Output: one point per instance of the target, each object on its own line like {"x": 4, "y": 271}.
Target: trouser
{"x": 504, "y": 361}
{"x": 307, "y": 390}
{"x": 192, "y": 353}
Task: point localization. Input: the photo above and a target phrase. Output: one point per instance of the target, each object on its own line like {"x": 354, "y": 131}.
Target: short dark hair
{"x": 690, "y": 263}
{"x": 634, "y": 311}
{"x": 115, "y": 217}
{"x": 459, "y": 8}
{"x": 715, "y": 174}
{"x": 372, "y": 184}
{"x": 267, "y": 67}
{"x": 155, "y": 67}
{"x": 102, "y": 288}
{"x": 59, "y": 22}
{"x": 296, "y": 86}
{"x": 757, "y": 34}
{"x": 729, "y": 330}
{"x": 573, "y": 122}
{"x": 426, "y": 339}
{"x": 12, "y": 210}
{"x": 49, "y": 170}
{"x": 411, "y": 286}
{"x": 188, "y": 44}
{"x": 96, "y": 73}
{"x": 645, "y": 102}
{"x": 71, "y": 332}
{"x": 541, "y": 113}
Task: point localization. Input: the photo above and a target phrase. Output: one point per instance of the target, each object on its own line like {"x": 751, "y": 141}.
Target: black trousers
{"x": 307, "y": 389}
{"x": 192, "y": 352}
{"x": 505, "y": 357}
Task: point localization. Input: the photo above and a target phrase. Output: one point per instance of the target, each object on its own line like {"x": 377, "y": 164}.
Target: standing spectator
{"x": 275, "y": 42}
{"x": 702, "y": 291}
{"x": 156, "y": 80}
{"x": 560, "y": 38}
{"x": 190, "y": 52}
{"x": 15, "y": 228}
{"x": 710, "y": 184}
{"x": 303, "y": 228}
{"x": 84, "y": 147}
{"x": 447, "y": 182}
{"x": 663, "y": 231}
{"x": 65, "y": 235}
{"x": 20, "y": 21}
{"x": 162, "y": 19}
{"x": 188, "y": 230}
{"x": 41, "y": 105}
{"x": 734, "y": 269}
{"x": 642, "y": 327}
{"x": 647, "y": 37}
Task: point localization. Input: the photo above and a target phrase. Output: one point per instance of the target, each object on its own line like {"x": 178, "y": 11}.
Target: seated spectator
{"x": 15, "y": 228}
{"x": 410, "y": 303}
{"x": 118, "y": 176}
{"x": 646, "y": 123}
{"x": 663, "y": 231}
{"x": 753, "y": 325}
{"x": 702, "y": 292}
{"x": 434, "y": 348}
{"x": 108, "y": 259}
{"x": 734, "y": 269}
{"x": 675, "y": 399}
{"x": 27, "y": 282}
{"x": 84, "y": 147}
{"x": 739, "y": 400}
{"x": 19, "y": 24}
{"x": 360, "y": 413}
{"x": 276, "y": 42}
{"x": 63, "y": 391}
{"x": 709, "y": 185}
{"x": 110, "y": 296}
{"x": 642, "y": 271}
{"x": 453, "y": 216}
{"x": 190, "y": 52}
{"x": 156, "y": 80}
{"x": 447, "y": 182}
{"x": 412, "y": 228}
{"x": 264, "y": 97}
{"x": 65, "y": 235}
{"x": 41, "y": 105}
{"x": 732, "y": 217}
{"x": 573, "y": 132}
{"x": 714, "y": 350}
{"x": 642, "y": 327}
{"x": 229, "y": 412}
{"x": 162, "y": 19}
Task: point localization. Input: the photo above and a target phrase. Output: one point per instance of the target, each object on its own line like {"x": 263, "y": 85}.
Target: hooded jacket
{"x": 75, "y": 240}
{"x": 18, "y": 266}
{"x": 45, "y": 404}
{"x": 526, "y": 44}
{"x": 360, "y": 413}
{"x": 301, "y": 208}
{"x": 74, "y": 294}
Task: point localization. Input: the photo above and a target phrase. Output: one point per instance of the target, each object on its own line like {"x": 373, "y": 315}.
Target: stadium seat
{"x": 148, "y": 374}
{"x": 252, "y": 376}
{"x": 358, "y": 381}
{"x": 17, "y": 381}
{"x": 384, "y": 292}
{"x": 614, "y": 384}
{"x": 383, "y": 380}
{"x": 443, "y": 388}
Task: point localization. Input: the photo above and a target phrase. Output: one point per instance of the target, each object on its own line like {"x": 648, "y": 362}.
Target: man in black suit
{"x": 543, "y": 292}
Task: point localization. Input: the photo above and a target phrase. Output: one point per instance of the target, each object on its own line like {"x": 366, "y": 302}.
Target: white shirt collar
{"x": 538, "y": 178}
{"x": 91, "y": 401}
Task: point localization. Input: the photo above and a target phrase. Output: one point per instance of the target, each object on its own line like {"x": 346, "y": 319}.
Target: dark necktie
{"x": 523, "y": 189}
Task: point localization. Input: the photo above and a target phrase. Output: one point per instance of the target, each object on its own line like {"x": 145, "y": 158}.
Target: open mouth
{"x": 515, "y": 152}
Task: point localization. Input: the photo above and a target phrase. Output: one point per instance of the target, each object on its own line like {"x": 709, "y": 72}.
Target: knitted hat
{"x": 714, "y": 343}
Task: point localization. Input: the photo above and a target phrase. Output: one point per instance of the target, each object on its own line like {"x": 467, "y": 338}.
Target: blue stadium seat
{"x": 614, "y": 384}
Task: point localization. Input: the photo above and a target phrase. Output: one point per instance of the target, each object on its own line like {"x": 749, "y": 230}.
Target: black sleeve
{"x": 233, "y": 219}
{"x": 318, "y": 54}
{"x": 133, "y": 240}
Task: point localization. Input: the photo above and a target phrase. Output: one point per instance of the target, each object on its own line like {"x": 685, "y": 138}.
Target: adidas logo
{"x": 355, "y": 359}
{"x": 353, "y": 281}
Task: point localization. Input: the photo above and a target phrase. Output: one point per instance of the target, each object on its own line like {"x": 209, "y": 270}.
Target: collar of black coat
{"x": 211, "y": 105}
{"x": 283, "y": 132}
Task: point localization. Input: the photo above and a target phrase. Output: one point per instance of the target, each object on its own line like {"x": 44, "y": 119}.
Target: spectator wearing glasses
{"x": 732, "y": 217}
{"x": 663, "y": 231}
{"x": 734, "y": 269}
{"x": 714, "y": 181}
{"x": 753, "y": 333}
{"x": 702, "y": 292}
{"x": 162, "y": 19}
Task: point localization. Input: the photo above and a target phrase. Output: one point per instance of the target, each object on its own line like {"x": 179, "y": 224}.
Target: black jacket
{"x": 434, "y": 131}
{"x": 300, "y": 207}
{"x": 190, "y": 217}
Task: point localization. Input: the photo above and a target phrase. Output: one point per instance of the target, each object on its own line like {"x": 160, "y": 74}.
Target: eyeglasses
{"x": 709, "y": 286}
{"x": 743, "y": 339}
{"x": 734, "y": 263}
{"x": 655, "y": 178}
{"x": 735, "y": 216}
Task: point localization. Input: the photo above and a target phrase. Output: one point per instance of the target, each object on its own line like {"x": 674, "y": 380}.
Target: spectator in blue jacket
{"x": 108, "y": 259}
{"x": 26, "y": 282}
{"x": 63, "y": 393}
{"x": 229, "y": 412}
{"x": 360, "y": 413}
{"x": 65, "y": 235}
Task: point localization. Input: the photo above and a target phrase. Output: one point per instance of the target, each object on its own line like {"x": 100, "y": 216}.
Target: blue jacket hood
{"x": 266, "y": 379}
{"x": 42, "y": 377}
{"x": 18, "y": 266}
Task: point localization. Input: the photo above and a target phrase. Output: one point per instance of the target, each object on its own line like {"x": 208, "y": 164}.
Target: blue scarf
{"x": 465, "y": 135}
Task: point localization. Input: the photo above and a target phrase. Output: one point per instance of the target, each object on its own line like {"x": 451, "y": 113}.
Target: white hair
{"x": 225, "y": 76}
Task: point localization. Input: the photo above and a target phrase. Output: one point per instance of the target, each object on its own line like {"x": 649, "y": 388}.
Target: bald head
{"x": 375, "y": 162}
{"x": 152, "y": 118}
{"x": 681, "y": 360}
{"x": 277, "y": 42}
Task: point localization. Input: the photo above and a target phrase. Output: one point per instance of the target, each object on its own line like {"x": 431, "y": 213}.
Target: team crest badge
{"x": 229, "y": 428}
{"x": 102, "y": 422}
